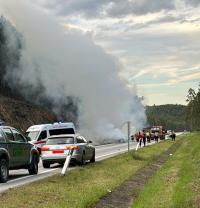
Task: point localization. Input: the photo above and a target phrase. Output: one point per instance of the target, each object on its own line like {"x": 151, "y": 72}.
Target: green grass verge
{"x": 177, "y": 184}
{"x": 83, "y": 186}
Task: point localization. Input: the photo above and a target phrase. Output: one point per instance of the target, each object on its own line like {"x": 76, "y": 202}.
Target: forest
{"x": 193, "y": 109}
{"x": 177, "y": 117}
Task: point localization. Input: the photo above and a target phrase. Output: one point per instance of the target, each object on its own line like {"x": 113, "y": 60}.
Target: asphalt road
{"x": 21, "y": 177}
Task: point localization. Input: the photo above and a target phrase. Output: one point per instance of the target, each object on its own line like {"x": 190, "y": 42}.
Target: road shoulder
{"x": 126, "y": 194}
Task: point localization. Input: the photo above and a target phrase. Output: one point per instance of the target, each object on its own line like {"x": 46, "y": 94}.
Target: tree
{"x": 193, "y": 109}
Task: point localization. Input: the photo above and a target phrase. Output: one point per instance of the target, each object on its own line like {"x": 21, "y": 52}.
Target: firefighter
{"x": 140, "y": 136}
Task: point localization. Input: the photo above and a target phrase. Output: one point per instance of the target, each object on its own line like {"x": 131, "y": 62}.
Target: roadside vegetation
{"x": 84, "y": 186}
{"x": 177, "y": 117}
{"x": 177, "y": 184}
{"x": 193, "y": 109}
{"x": 170, "y": 116}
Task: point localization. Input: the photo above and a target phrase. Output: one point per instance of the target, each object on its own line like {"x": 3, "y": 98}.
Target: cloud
{"x": 125, "y": 7}
{"x": 96, "y": 8}
{"x": 88, "y": 8}
{"x": 186, "y": 78}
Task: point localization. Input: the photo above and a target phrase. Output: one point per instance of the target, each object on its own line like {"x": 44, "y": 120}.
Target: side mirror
{"x": 89, "y": 142}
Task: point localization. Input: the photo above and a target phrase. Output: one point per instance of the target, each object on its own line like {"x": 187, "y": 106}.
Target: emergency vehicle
{"x": 38, "y": 134}
{"x": 160, "y": 130}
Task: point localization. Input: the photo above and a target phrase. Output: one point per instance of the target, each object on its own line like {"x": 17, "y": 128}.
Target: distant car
{"x": 16, "y": 153}
{"x": 57, "y": 147}
{"x": 169, "y": 132}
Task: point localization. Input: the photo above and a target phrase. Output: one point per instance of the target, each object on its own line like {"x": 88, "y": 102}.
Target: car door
{"x": 42, "y": 139}
{"x": 12, "y": 148}
{"x": 89, "y": 147}
{"x": 81, "y": 145}
{"x": 86, "y": 147}
{"x": 3, "y": 142}
{"x": 24, "y": 148}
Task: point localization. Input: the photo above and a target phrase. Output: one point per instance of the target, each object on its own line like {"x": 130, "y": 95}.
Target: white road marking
{"x": 113, "y": 153}
{"x": 29, "y": 176}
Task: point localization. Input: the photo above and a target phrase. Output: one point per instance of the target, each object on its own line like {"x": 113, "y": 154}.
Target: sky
{"x": 156, "y": 42}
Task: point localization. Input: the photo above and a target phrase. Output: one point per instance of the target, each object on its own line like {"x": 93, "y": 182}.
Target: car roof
{"x": 6, "y": 127}
{"x": 63, "y": 135}
{"x": 57, "y": 125}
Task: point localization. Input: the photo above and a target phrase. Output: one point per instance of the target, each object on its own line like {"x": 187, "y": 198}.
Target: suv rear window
{"x": 61, "y": 131}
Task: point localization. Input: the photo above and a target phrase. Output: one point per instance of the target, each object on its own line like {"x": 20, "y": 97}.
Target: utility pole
{"x": 128, "y": 131}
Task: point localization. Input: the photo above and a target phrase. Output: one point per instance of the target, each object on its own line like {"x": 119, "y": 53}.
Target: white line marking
{"x": 29, "y": 176}
{"x": 113, "y": 153}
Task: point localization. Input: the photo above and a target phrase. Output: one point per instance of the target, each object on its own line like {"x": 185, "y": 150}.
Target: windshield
{"x": 32, "y": 135}
{"x": 61, "y": 131}
{"x": 60, "y": 140}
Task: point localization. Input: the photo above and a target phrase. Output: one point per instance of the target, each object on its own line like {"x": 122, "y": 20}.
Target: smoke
{"x": 64, "y": 70}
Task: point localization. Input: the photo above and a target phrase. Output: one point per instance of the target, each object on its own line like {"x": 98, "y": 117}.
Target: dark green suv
{"x": 16, "y": 153}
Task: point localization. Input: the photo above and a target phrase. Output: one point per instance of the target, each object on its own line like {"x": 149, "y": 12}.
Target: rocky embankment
{"x": 22, "y": 114}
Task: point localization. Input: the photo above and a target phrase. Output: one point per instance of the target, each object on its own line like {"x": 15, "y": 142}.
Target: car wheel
{"x": 4, "y": 171}
{"x": 33, "y": 169}
{"x": 93, "y": 158}
{"x": 45, "y": 164}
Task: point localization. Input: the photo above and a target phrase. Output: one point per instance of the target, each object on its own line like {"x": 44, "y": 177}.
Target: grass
{"x": 83, "y": 186}
{"x": 177, "y": 184}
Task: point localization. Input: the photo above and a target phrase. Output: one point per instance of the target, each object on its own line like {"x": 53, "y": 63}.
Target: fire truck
{"x": 160, "y": 130}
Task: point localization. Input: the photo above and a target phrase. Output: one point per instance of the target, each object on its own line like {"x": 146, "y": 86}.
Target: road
{"x": 21, "y": 177}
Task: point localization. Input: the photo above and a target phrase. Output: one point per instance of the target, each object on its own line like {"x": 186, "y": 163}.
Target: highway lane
{"x": 21, "y": 177}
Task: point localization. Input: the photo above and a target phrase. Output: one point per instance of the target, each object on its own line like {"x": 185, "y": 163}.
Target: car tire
{"x": 4, "y": 171}
{"x": 46, "y": 164}
{"x": 33, "y": 169}
{"x": 93, "y": 158}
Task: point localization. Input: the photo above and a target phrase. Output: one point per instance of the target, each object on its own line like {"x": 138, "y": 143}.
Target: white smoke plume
{"x": 68, "y": 63}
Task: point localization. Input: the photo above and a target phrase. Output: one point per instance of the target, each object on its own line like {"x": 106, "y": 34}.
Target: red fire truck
{"x": 160, "y": 130}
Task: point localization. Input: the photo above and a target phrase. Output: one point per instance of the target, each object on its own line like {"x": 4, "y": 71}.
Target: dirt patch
{"x": 127, "y": 193}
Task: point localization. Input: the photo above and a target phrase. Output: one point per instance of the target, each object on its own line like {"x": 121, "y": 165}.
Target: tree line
{"x": 177, "y": 117}
{"x": 170, "y": 116}
{"x": 193, "y": 109}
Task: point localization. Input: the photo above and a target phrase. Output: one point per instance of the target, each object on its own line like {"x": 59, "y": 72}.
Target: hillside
{"x": 22, "y": 114}
{"x": 171, "y": 116}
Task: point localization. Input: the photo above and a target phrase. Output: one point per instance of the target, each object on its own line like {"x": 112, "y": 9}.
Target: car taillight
{"x": 75, "y": 147}
{"x": 72, "y": 147}
{"x": 68, "y": 147}
{"x": 44, "y": 149}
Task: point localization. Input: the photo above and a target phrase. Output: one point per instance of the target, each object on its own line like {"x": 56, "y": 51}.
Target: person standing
{"x": 173, "y": 136}
{"x": 148, "y": 136}
{"x": 144, "y": 138}
{"x": 156, "y": 136}
{"x": 140, "y": 138}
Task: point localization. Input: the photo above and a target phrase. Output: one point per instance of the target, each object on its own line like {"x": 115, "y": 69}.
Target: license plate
{"x": 58, "y": 151}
